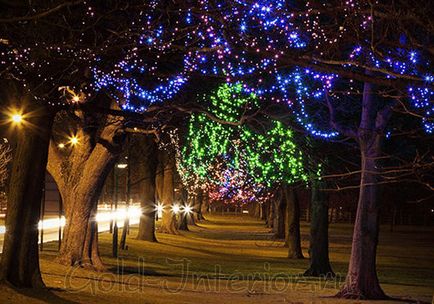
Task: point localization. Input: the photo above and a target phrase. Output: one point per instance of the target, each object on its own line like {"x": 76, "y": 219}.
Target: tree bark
{"x": 293, "y": 238}
{"x": 20, "y": 258}
{"x": 271, "y": 212}
{"x": 197, "y": 207}
{"x": 168, "y": 222}
{"x": 205, "y": 206}
{"x": 80, "y": 177}
{"x": 148, "y": 172}
{"x": 191, "y": 220}
{"x": 183, "y": 219}
{"x": 279, "y": 216}
{"x": 362, "y": 281}
{"x": 319, "y": 239}
{"x": 91, "y": 257}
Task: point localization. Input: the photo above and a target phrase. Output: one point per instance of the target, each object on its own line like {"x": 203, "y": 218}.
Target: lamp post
{"x": 125, "y": 230}
{"x": 115, "y": 224}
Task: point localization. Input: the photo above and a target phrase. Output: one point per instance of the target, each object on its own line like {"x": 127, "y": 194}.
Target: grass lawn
{"x": 231, "y": 259}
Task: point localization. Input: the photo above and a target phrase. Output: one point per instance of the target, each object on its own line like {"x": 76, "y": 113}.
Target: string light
{"x": 244, "y": 39}
{"x": 236, "y": 163}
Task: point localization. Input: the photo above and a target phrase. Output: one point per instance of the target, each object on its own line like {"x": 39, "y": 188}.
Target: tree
{"x": 5, "y": 158}
{"x": 292, "y": 223}
{"x": 46, "y": 49}
{"x": 80, "y": 164}
{"x": 319, "y": 241}
{"x": 20, "y": 258}
{"x": 168, "y": 222}
{"x": 144, "y": 152}
{"x": 241, "y": 164}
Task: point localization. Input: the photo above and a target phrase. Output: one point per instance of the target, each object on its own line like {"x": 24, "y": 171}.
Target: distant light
{"x": 122, "y": 166}
{"x": 76, "y": 98}
{"x": 175, "y": 209}
{"x": 432, "y": 210}
{"x": 159, "y": 208}
{"x": 187, "y": 209}
{"x": 61, "y": 145}
{"x": 73, "y": 140}
{"x": 17, "y": 118}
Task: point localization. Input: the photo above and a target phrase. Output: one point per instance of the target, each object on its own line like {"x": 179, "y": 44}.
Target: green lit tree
{"x": 239, "y": 160}
{"x": 269, "y": 156}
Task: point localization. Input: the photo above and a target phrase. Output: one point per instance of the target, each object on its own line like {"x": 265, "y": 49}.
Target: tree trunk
{"x": 257, "y": 210}
{"x": 293, "y": 239}
{"x": 168, "y": 222}
{"x": 80, "y": 233}
{"x": 279, "y": 216}
{"x": 264, "y": 212}
{"x": 183, "y": 219}
{"x": 80, "y": 173}
{"x": 271, "y": 215}
{"x": 319, "y": 239}
{"x": 197, "y": 207}
{"x": 362, "y": 281}
{"x": 20, "y": 258}
{"x": 90, "y": 256}
{"x": 205, "y": 206}
{"x": 148, "y": 172}
{"x": 191, "y": 220}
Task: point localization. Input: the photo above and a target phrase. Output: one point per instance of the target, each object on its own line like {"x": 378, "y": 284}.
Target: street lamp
{"x": 115, "y": 224}
{"x": 73, "y": 140}
{"x": 175, "y": 209}
{"x": 17, "y": 118}
{"x": 159, "y": 208}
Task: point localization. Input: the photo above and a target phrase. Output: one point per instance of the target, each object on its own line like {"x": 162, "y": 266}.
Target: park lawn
{"x": 231, "y": 259}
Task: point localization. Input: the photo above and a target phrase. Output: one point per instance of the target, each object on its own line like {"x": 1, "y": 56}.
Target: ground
{"x": 232, "y": 259}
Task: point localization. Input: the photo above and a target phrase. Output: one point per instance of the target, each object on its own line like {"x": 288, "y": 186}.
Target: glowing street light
{"x": 121, "y": 166}
{"x": 61, "y": 145}
{"x": 159, "y": 208}
{"x": 73, "y": 140}
{"x": 187, "y": 209}
{"x": 175, "y": 209}
{"x": 17, "y": 118}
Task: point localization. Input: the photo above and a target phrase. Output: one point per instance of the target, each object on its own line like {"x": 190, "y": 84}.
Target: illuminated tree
{"x": 233, "y": 161}
{"x": 333, "y": 62}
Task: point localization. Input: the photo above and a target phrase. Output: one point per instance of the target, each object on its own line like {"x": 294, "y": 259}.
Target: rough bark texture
{"x": 168, "y": 222}
{"x": 20, "y": 259}
{"x": 362, "y": 281}
{"x": 90, "y": 256}
{"x": 319, "y": 238}
{"x": 147, "y": 172}
{"x": 292, "y": 224}
{"x": 80, "y": 174}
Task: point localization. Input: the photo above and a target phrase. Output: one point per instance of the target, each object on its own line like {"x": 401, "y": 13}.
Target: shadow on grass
{"x": 407, "y": 300}
{"x": 137, "y": 270}
{"x": 44, "y": 294}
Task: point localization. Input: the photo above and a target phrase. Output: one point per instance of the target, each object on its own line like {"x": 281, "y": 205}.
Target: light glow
{"x": 176, "y": 209}
{"x": 73, "y": 140}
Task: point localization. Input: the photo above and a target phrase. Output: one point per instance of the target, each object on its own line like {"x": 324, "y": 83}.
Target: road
{"x": 51, "y": 226}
